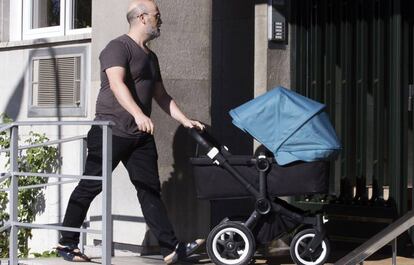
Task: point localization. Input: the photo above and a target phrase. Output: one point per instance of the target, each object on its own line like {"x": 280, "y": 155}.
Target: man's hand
{"x": 191, "y": 124}
{"x": 144, "y": 124}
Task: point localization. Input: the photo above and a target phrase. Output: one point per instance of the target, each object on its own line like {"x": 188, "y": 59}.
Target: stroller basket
{"x": 298, "y": 178}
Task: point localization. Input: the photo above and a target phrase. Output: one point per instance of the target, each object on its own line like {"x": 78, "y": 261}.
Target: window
{"x": 58, "y": 82}
{"x": 49, "y": 18}
{"x": 45, "y": 13}
{"x": 80, "y": 14}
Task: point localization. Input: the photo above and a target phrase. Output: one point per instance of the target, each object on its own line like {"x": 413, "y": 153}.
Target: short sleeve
{"x": 114, "y": 54}
{"x": 158, "y": 77}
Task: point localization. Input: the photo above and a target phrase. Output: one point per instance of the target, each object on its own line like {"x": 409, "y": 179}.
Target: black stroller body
{"x": 221, "y": 175}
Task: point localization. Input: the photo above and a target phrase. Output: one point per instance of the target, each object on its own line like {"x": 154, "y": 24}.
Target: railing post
{"x": 411, "y": 230}
{"x": 13, "y": 244}
{"x": 106, "y": 195}
{"x": 394, "y": 251}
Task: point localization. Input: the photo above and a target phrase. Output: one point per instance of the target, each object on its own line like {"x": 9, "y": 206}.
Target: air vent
{"x": 56, "y": 82}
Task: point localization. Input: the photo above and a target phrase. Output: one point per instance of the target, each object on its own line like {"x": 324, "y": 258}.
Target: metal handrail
{"x": 386, "y": 236}
{"x": 65, "y": 140}
{"x": 48, "y": 123}
{"x": 46, "y": 175}
{"x": 6, "y": 176}
{"x": 6, "y": 226}
{"x": 14, "y": 174}
{"x": 41, "y": 185}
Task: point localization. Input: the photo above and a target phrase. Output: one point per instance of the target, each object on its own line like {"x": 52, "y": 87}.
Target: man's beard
{"x": 153, "y": 32}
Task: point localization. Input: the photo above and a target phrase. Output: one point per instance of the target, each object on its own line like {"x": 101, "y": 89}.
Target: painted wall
{"x": 14, "y": 87}
{"x": 183, "y": 50}
{"x": 211, "y": 61}
{"x": 4, "y": 21}
{"x": 186, "y": 74}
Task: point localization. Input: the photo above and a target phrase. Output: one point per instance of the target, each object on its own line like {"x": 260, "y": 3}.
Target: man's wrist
{"x": 138, "y": 114}
{"x": 185, "y": 121}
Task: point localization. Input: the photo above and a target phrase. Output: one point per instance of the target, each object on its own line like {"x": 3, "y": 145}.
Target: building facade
{"x": 355, "y": 56}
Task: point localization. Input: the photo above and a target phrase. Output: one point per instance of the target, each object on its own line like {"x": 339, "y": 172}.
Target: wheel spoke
{"x": 231, "y": 236}
{"x": 233, "y": 254}
{"x": 304, "y": 247}
{"x": 316, "y": 254}
{"x": 225, "y": 254}
{"x": 300, "y": 248}
{"x": 311, "y": 257}
{"x": 221, "y": 242}
{"x": 230, "y": 254}
{"x": 303, "y": 244}
{"x": 307, "y": 257}
{"x": 239, "y": 244}
{"x": 232, "y": 243}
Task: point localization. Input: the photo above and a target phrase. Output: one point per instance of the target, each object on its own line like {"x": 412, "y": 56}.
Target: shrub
{"x": 44, "y": 159}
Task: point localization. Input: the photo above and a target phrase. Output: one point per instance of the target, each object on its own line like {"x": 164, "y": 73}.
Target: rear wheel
{"x": 299, "y": 245}
{"x": 230, "y": 243}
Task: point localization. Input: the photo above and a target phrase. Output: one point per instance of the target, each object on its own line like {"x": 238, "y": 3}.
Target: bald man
{"x": 130, "y": 79}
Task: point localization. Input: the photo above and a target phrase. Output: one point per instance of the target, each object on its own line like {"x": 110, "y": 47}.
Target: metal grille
{"x": 357, "y": 56}
{"x": 56, "y": 82}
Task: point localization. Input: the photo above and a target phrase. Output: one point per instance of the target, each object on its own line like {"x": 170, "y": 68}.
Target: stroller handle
{"x": 200, "y": 139}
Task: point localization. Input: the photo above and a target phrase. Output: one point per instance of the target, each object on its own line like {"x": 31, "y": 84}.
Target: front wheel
{"x": 299, "y": 246}
{"x": 230, "y": 243}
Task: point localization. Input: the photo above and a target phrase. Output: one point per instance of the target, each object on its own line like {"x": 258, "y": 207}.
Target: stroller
{"x": 301, "y": 140}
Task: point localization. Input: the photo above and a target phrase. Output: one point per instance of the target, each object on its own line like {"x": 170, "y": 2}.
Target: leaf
{"x": 39, "y": 159}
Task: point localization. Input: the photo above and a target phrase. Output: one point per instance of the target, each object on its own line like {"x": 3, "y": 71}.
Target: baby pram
{"x": 298, "y": 133}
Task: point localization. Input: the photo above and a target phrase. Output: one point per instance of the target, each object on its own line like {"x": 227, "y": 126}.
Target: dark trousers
{"x": 139, "y": 156}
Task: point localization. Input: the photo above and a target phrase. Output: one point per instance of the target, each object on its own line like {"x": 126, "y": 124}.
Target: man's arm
{"x": 166, "y": 103}
{"x": 116, "y": 77}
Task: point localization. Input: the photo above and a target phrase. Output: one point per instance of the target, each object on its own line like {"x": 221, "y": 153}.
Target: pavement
{"x": 157, "y": 260}
{"x": 203, "y": 259}
{"x": 276, "y": 256}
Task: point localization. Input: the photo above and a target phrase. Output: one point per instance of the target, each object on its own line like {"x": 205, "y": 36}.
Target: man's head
{"x": 145, "y": 16}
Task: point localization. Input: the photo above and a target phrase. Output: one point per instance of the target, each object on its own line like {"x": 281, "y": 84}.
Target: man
{"x": 130, "y": 78}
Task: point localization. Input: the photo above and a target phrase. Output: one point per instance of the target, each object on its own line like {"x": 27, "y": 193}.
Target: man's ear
{"x": 142, "y": 19}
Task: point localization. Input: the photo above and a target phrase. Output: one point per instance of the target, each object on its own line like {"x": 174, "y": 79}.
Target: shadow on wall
{"x": 232, "y": 70}
{"x": 14, "y": 105}
{"x": 190, "y": 217}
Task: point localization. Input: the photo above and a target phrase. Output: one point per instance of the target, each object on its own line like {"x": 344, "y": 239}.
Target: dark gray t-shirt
{"x": 142, "y": 72}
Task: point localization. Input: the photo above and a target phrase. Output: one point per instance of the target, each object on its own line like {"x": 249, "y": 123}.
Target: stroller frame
{"x": 264, "y": 205}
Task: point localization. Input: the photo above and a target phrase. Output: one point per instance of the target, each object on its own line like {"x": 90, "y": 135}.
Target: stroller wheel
{"x": 230, "y": 243}
{"x": 299, "y": 245}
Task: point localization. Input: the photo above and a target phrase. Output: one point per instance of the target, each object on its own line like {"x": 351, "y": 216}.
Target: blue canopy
{"x": 290, "y": 125}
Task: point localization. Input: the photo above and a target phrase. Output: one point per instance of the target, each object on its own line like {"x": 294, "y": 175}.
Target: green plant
{"x": 46, "y": 254}
{"x": 4, "y": 216}
{"x": 44, "y": 159}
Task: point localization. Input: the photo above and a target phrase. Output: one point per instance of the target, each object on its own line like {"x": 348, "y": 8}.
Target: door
{"x": 357, "y": 57}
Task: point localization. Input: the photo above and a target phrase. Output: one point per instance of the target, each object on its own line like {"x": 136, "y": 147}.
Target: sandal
{"x": 74, "y": 254}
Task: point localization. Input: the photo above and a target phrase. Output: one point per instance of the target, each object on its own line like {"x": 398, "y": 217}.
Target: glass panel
{"x": 45, "y": 13}
{"x": 81, "y": 14}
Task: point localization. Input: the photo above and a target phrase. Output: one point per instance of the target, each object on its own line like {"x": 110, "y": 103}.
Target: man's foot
{"x": 71, "y": 253}
{"x": 183, "y": 251}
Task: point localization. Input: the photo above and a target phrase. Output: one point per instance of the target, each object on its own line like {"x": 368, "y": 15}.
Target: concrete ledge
{"x": 86, "y": 37}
